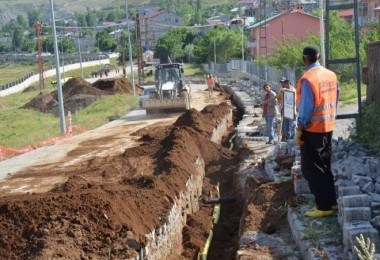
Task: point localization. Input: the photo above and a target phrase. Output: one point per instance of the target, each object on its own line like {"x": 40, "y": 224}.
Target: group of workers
{"x": 315, "y": 101}
{"x": 308, "y": 116}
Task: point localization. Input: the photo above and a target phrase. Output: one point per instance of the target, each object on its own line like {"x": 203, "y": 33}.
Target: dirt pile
{"x": 116, "y": 86}
{"x": 107, "y": 205}
{"x": 78, "y": 93}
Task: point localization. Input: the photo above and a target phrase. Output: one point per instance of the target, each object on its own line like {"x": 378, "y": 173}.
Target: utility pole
{"x": 214, "y": 56}
{"x": 122, "y": 43}
{"x": 138, "y": 49}
{"x": 38, "y": 27}
{"x": 80, "y": 54}
{"x": 242, "y": 39}
{"x": 58, "y": 75}
{"x": 322, "y": 33}
{"x": 130, "y": 51}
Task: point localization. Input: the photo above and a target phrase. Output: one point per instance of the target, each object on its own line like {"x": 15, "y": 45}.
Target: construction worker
{"x": 210, "y": 82}
{"x": 317, "y": 98}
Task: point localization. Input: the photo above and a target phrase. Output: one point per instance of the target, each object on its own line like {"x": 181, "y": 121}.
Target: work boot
{"x": 318, "y": 213}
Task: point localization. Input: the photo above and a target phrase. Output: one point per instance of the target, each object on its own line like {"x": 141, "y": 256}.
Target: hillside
{"x": 63, "y": 8}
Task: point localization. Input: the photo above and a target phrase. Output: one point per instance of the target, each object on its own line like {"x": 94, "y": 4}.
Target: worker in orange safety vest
{"x": 317, "y": 99}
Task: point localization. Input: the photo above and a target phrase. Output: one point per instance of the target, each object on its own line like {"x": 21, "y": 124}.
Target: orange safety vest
{"x": 324, "y": 85}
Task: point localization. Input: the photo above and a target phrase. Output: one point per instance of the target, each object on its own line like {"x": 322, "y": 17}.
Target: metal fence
{"x": 238, "y": 69}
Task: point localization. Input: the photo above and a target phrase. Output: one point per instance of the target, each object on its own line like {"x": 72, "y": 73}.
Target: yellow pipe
{"x": 215, "y": 215}
{"x": 204, "y": 253}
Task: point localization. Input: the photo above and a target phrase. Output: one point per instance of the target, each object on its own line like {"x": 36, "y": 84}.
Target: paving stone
{"x": 356, "y": 214}
{"x": 351, "y": 201}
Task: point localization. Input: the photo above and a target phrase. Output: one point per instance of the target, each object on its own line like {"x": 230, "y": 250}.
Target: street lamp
{"x": 242, "y": 39}
{"x": 58, "y": 75}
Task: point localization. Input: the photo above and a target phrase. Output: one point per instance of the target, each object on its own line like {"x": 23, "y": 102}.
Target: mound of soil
{"x": 107, "y": 205}
{"x": 114, "y": 86}
{"x": 78, "y": 93}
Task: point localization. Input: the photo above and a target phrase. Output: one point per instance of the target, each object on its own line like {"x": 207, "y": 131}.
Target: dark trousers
{"x": 316, "y": 168}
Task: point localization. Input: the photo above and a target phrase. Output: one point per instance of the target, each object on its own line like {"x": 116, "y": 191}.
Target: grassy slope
{"x": 13, "y": 71}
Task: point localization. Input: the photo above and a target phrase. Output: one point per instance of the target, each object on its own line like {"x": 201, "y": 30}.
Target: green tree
{"x": 123, "y": 48}
{"x": 172, "y": 43}
{"x": 106, "y": 42}
{"x": 29, "y": 45}
{"x": 198, "y": 13}
{"x": 18, "y": 38}
{"x": 10, "y": 26}
{"x": 81, "y": 18}
{"x": 47, "y": 44}
{"x": 91, "y": 19}
{"x": 88, "y": 32}
{"x": 186, "y": 12}
{"x": 67, "y": 45}
{"x": 221, "y": 42}
{"x": 21, "y": 21}
{"x": 34, "y": 15}
{"x": 111, "y": 17}
{"x": 189, "y": 52}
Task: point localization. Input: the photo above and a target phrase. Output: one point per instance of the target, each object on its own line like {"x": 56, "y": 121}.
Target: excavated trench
{"x": 136, "y": 205}
{"x": 150, "y": 201}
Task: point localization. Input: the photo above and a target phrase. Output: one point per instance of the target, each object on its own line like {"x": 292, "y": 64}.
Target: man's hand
{"x": 298, "y": 138}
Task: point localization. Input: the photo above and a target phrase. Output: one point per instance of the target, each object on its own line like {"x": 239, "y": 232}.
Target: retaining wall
{"x": 165, "y": 241}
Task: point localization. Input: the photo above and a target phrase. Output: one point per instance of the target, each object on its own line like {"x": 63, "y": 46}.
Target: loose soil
{"x": 106, "y": 201}
{"x": 78, "y": 93}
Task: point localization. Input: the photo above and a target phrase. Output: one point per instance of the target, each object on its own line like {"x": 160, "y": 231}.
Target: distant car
{"x": 145, "y": 94}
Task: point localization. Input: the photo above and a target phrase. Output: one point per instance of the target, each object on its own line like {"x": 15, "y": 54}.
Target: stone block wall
{"x": 165, "y": 241}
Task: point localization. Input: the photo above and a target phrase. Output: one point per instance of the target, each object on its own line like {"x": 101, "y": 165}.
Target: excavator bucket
{"x": 179, "y": 104}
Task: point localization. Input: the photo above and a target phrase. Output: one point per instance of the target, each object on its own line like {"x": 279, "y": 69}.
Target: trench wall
{"x": 165, "y": 241}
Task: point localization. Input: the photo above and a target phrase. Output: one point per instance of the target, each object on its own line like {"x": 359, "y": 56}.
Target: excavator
{"x": 171, "y": 93}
